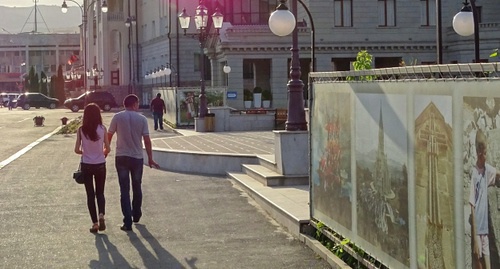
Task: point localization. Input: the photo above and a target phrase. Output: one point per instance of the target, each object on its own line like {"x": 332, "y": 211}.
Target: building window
{"x": 342, "y": 13}
{"x": 248, "y": 11}
{"x": 428, "y": 12}
{"x": 248, "y": 69}
{"x": 386, "y": 13}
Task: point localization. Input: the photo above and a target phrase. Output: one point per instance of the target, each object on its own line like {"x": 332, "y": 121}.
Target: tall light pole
{"x": 201, "y": 21}
{"x": 84, "y": 9}
{"x": 282, "y": 22}
{"x": 131, "y": 21}
{"x": 466, "y": 23}
{"x": 95, "y": 74}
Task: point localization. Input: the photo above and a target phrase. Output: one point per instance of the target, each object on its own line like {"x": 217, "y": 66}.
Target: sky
{"x": 30, "y": 3}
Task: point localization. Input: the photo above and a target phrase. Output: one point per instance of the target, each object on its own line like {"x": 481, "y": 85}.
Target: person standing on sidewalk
{"x": 93, "y": 144}
{"x": 158, "y": 108}
{"x": 130, "y": 127}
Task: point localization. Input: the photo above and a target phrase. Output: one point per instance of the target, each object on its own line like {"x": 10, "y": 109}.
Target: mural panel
{"x": 434, "y": 181}
{"x": 481, "y": 179}
{"x": 381, "y": 173}
{"x": 331, "y": 176}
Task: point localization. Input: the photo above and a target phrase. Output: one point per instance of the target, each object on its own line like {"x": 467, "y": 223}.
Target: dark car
{"x": 103, "y": 99}
{"x": 36, "y": 99}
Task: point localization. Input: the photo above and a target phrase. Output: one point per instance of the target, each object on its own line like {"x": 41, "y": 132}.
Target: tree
{"x": 43, "y": 83}
{"x": 52, "y": 91}
{"x": 59, "y": 85}
{"x": 363, "y": 62}
{"x": 33, "y": 81}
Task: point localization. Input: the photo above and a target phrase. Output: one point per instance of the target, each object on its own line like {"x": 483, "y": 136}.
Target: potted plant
{"x": 257, "y": 97}
{"x": 266, "y": 98}
{"x": 247, "y": 98}
{"x": 38, "y": 120}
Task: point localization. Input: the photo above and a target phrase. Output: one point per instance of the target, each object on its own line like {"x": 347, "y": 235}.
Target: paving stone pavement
{"x": 189, "y": 221}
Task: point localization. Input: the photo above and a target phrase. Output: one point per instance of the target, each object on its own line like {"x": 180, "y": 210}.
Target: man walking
{"x": 158, "y": 107}
{"x": 130, "y": 126}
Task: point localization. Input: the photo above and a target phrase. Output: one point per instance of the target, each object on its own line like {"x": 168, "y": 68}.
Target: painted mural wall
{"x": 410, "y": 171}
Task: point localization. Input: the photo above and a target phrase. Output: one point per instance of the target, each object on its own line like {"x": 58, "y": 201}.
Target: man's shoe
{"x": 136, "y": 220}
{"x": 125, "y": 228}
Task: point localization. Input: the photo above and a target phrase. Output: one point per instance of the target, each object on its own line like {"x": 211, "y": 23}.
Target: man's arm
{"x": 149, "y": 151}
{"x": 164, "y": 107}
{"x": 110, "y": 136}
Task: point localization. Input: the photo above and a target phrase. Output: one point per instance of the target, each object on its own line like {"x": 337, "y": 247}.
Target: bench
{"x": 280, "y": 118}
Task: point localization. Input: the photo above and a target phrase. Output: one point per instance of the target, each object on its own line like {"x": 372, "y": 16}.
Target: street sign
{"x": 231, "y": 95}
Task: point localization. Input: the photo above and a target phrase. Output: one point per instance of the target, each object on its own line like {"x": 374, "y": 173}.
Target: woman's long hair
{"x": 91, "y": 119}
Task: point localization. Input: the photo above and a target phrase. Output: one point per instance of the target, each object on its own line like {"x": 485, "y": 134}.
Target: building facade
{"x": 395, "y": 32}
{"x": 43, "y": 52}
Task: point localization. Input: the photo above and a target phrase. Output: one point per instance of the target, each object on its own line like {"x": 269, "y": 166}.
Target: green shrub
{"x": 247, "y": 95}
{"x": 257, "y": 90}
{"x": 266, "y": 94}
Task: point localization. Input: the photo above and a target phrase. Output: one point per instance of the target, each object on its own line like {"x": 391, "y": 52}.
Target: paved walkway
{"x": 189, "y": 221}
{"x": 256, "y": 143}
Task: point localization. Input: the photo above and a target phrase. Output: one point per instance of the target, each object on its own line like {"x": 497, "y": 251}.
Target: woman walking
{"x": 93, "y": 144}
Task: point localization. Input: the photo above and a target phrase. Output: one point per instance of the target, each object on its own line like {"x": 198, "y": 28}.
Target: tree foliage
{"x": 59, "y": 85}
{"x": 34, "y": 85}
{"x": 363, "y": 62}
{"x": 43, "y": 83}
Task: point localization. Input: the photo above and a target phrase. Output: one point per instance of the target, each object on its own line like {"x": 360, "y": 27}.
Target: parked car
{"x": 36, "y": 99}
{"x": 5, "y": 97}
{"x": 103, "y": 99}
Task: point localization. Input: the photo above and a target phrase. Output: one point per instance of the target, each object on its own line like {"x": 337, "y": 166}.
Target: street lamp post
{"x": 95, "y": 74}
{"x": 201, "y": 21}
{"x": 466, "y": 23}
{"x": 131, "y": 20}
{"x": 282, "y": 22}
{"x": 227, "y": 70}
{"x": 84, "y": 9}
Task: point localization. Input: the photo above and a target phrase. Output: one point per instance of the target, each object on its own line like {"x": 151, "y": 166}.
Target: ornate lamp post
{"x": 131, "y": 20}
{"x": 95, "y": 74}
{"x": 84, "y": 9}
{"x": 466, "y": 23}
{"x": 282, "y": 22}
{"x": 201, "y": 21}
{"x": 227, "y": 70}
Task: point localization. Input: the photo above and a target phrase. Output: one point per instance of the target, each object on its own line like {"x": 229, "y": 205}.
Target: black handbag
{"x": 78, "y": 175}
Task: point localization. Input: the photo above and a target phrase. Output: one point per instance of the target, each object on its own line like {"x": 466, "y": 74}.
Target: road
{"x": 189, "y": 221}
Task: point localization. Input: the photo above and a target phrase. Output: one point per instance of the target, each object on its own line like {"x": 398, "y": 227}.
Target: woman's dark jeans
{"x": 97, "y": 173}
{"x": 130, "y": 170}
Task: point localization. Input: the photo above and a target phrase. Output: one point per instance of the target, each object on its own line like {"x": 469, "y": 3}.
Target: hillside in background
{"x": 49, "y": 19}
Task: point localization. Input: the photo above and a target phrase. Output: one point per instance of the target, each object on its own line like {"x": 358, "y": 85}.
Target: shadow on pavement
{"x": 161, "y": 258}
{"x": 109, "y": 256}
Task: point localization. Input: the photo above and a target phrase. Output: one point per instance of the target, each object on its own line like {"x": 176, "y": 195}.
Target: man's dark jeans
{"x": 130, "y": 170}
{"x": 158, "y": 119}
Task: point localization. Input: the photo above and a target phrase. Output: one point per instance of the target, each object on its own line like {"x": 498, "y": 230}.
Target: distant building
{"x": 44, "y": 52}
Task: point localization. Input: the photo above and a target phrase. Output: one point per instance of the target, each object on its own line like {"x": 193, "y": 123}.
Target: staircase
{"x": 266, "y": 172}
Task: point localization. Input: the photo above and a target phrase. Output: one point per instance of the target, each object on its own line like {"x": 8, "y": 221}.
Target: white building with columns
{"x": 394, "y": 32}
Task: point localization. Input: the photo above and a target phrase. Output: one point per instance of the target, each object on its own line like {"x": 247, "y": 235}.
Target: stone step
{"x": 287, "y": 205}
{"x": 270, "y": 177}
{"x": 268, "y": 161}
{"x": 262, "y": 174}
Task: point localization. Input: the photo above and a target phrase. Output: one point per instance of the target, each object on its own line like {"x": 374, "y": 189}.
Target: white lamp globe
{"x": 282, "y": 22}
{"x": 227, "y": 69}
{"x": 167, "y": 71}
{"x": 463, "y": 23}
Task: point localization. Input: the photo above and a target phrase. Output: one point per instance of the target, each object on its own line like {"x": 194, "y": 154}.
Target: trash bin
{"x": 209, "y": 122}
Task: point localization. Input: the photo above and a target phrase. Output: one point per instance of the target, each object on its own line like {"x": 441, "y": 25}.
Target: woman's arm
{"x": 78, "y": 143}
